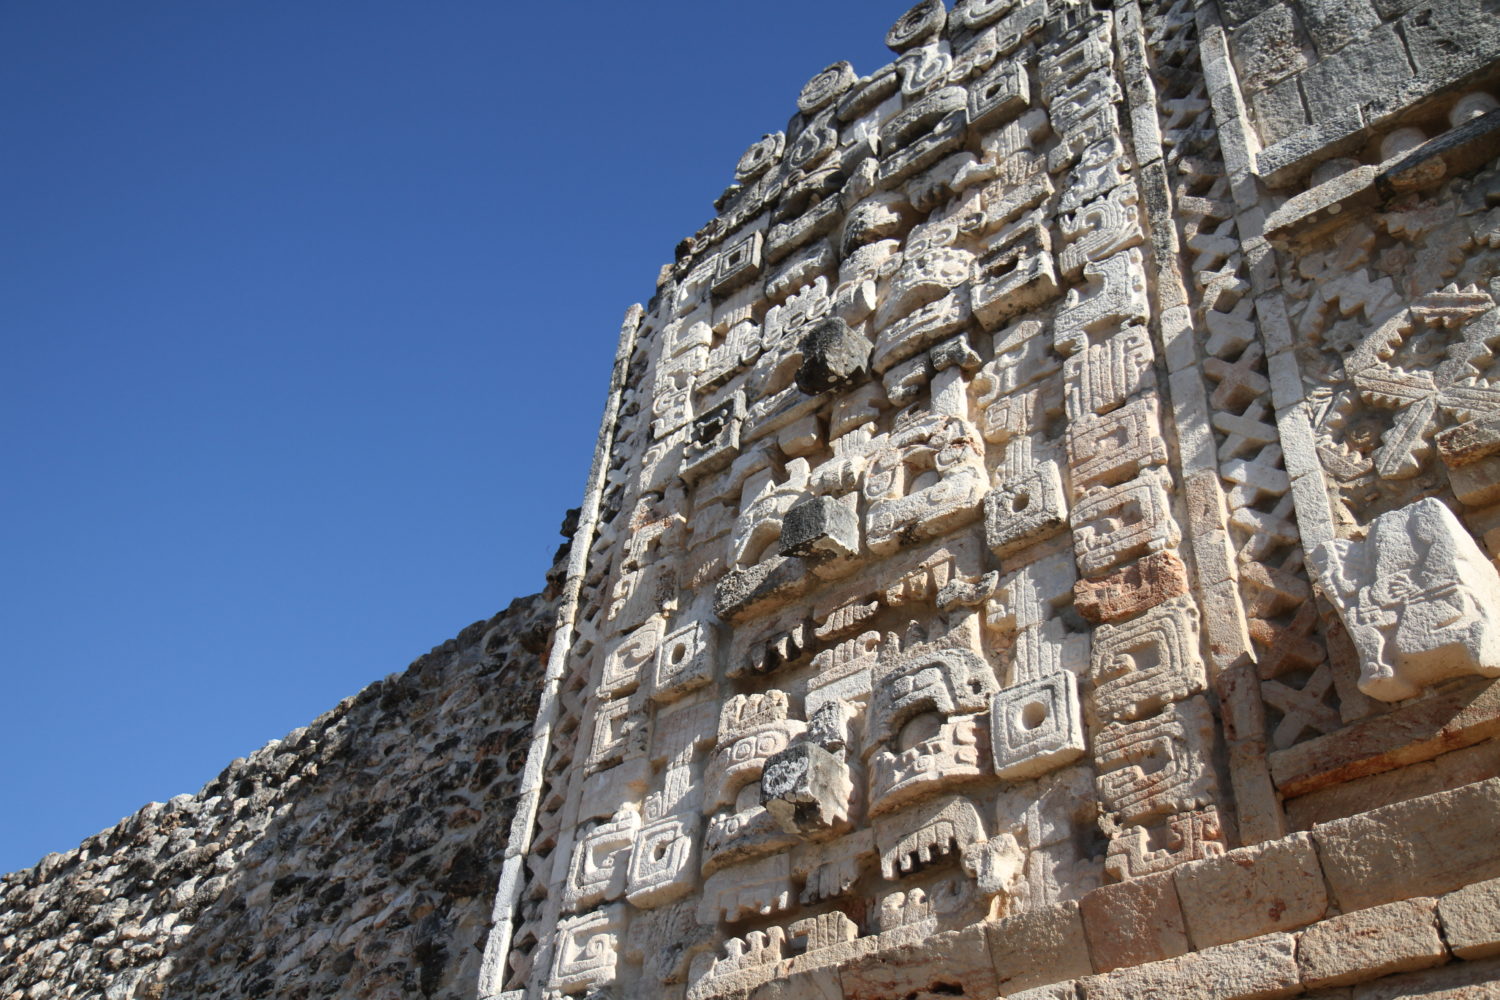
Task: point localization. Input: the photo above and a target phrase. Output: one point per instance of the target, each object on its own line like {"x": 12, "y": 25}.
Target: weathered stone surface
{"x": 1471, "y": 919}
{"x": 1258, "y": 969}
{"x": 1252, "y": 891}
{"x": 1366, "y": 944}
{"x": 1421, "y": 847}
{"x": 1133, "y": 923}
{"x": 1039, "y": 947}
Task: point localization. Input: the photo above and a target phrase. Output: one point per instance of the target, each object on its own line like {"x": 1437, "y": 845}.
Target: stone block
{"x": 1240, "y": 11}
{"x": 954, "y": 963}
{"x": 1420, "y": 847}
{"x": 1036, "y": 726}
{"x": 1135, "y": 922}
{"x": 1025, "y": 508}
{"x": 1368, "y": 944}
{"x": 820, "y": 526}
{"x": 805, "y": 788}
{"x": 1268, "y": 47}
{"x": 1251, "y": 891}
{"x": 1279, "y": 110}
{"x": 1132, "y": 589}
{"x": 1471, "y": 919}
{"x": 1373, "y": 67}
{"x": 1455, "y": 981}
{"x": 1449, "y": 38}
{"x": 1039, "y": 947}
{"x": 1259, "y": 969}
{"x": 1332, "y": 24}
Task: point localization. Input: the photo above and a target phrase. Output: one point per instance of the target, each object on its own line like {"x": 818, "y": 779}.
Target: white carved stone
{"x": 1157, "y": 765}
{"x": 587, "y": 950}
{"x": 1118, "y": 523}
{"x": 926, "y": 480}
{"x": 1107, "y": 450}
{"x": 1036, "y": 726}
{"x": 1117, "y": 296}
{"x": 1142, "y": 665}
{"x": 684, "y": 661}
{"x": 1420, "y": 599}
{"x": 627, "y": 661}
{"x": 598, "y": 869}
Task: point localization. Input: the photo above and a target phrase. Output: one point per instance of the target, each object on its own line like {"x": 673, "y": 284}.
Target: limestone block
{"x": 806, "y": 789}
{"x": 1002, "y": 93}
{"x": 1116, "y": 297}
{"x": 1454, "y": 981}
{"x": 715, "y": 438}
{"x": 1140, "y": 666}
{"x": 940, "y": 679}
{"x": 1419, "y": 597}
{"x": 1025, "y": 508}
{"x": 1039, "y": 947}
{"x": 954, "y": 963}
{"x": 1158, "y": 765}
{"x": 761, "y": 887}
{"x": 600, "y": 860}
{"x": 925, "y": 149}
{"x": 739, "y": 263}
{"x": 1037, "y": 726}
{"x": 1016, "y": 274}
{"x": 620, "y": 732}
{"x": 762, "y": 155}
{"x": 1262, "y": 968}
{"x": 745, "y": 831}
{"x": 1267, "y": 47}
{"x": 1251, "y": 891}
{"x": 684, "y": 661}
{"x": 1134, "y": 588}
{"x": 820, "y": 527}
{"x": 1118, "y": 523}
{"x": 630, "y": 658}
{"x": 924, "y": 68}
{"x": 752, "y": 728}
{"x": 1132, "y": 923}
{"x": 922, "y": 23}
{"x": 904, "y": 339}
{"x": 1419, "y": 847}
{"x": 1368, "y": 944}
{"x": 1471, "y": 919}
{"x": 912, "y": 838}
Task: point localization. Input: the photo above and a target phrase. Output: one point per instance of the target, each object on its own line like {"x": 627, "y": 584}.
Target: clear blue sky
{"x": 307, "y": 311}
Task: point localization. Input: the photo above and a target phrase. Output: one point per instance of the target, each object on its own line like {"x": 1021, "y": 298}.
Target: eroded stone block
{"x": 1037, "y": 726}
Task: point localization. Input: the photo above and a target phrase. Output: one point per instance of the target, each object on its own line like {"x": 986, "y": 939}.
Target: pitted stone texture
{"x": 1471, "y": 919}
{"x": 1367, "y": 944}
{"x": 1261, "y": 968}
{"x": 1274, "y": 886}
{"x": 1134, "y": 922}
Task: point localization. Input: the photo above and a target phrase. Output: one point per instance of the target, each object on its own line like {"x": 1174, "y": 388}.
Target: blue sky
{"x": 307, "y": 312}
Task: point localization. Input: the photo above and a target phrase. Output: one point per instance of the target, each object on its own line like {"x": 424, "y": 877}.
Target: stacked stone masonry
{"x": 355, "y": 858}
{"x": 1042, "y": 541}
{"x": 1044, "y": 534}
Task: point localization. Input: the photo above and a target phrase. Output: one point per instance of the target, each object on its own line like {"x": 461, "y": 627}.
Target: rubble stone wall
{"x": 354, "y": 858}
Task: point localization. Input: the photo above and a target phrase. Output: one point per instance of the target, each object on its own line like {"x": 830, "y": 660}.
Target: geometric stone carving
{"x": 1122, "y": 522}
{"x": 1107, "y": 450}
{"x": 752, "y": 728}
{"x": 1104, "y": 375}
{"x": 1190, "y": 836}
{"x": 1016, "y": 275}
{"x": 1025, "y": 508}
{"x": 1001, "y": 93}
{"x": 599, "y": 861}
{"x": 588, "y": 949}
{"x": 913, "y": 838}
{"x": 1158, "y": 765}
{"x": 629, "y": 658}
{"x": 1099, "y": 229}
{"x": 1117, "y": 296}
{"x": 922, "y": 23}
{"x": 684, "y": 661}
{"x": 927, "y": 480}
{"x": 761, "y": 887}
{"x": 715, "y": 438}
{"x": 1036, "y": 726}
{"x": 823, "y": 88}
{"x": 619, "y": 732}
{"x": 939, "y": 679}
{"x": 1419, "y": 598}
{"x": 738, "y": 263}
{"x": 663, "y": 864}
{"x": 1140, "y": 666}
{"x": 931, "y": 754}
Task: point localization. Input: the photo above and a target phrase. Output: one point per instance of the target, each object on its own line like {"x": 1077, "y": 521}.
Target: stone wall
{"x": 354, "y": 858}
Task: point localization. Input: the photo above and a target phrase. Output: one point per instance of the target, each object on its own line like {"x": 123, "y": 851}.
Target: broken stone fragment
{"x": 833, "y": 356}
{"x": 820, "y": 526}
{"x": 805, "y": 788}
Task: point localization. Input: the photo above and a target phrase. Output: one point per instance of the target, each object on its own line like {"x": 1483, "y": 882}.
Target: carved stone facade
{"x": 1065, "y": 473}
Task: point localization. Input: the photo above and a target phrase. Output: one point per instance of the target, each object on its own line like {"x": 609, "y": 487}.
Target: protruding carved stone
{"x": 1036, "y": 726}
{"x": 833, "y": 357}
{"x": 903, "y": 507}
{"x": 820, "y": 527}
{"x": 1190, "y": 836}
{"x": 806, "y": 789}
{"x": 627, "y": 663}
{"x": 825, "y": 88}
{"x": 1118, "y": 297}
{"x": 1143, "y": 665}
{"x": 1420, "y": 600}
{"x": 715, "y": 438}
{"x": 738, "y": 263}
{"x": 1024, "y": 509}
{"x": 587, "y": 951}
{"x": 1122, "y": 522}
{"x": 921, "y": 23}
{"x": 684, "y": 661}
{"x": 1158, "y": 765}
{"x": 930, "y": 754}
{"x": 597, "y": 873}
{"x": 926, "y": 678}
{"x": 760, "y": 157}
